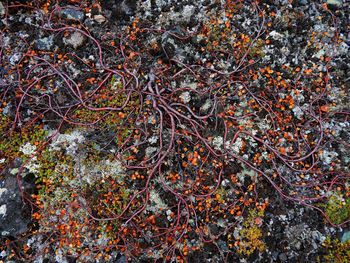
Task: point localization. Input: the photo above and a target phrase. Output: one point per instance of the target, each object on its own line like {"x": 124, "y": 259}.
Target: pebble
{"x": 3, "y": 210}
{"x": 45, "y": 43}
{"x": 72, "y": 14}
{"x": 297, "y": 245}
{"x": 15, "y": 58}
{"x": 75, "y": 40}
{"x": 121, "y": 259}
{"x": 282, "y": 257}
{"x": 303, "y": 2}
{"x": 283, "y": 217}
{"x": 345, "y": 237}
{"x": 274, "y": 255}
{"x": 276, "y": 35}
{"x": 99, "y": 18}
{"x": 338, "y": 3}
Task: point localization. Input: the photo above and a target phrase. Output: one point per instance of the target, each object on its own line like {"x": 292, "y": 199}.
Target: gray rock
{"x": 188, "y": 12}
{"x": 303, "y": 2}
{"x": 121, "y": 259}
{"x": 76, "y": 40}
{"x": 222, "y": 245}
{"x": 120, "y": 10}
{"x": 15, "y": 58}
{"x": 99, "y": 18}
{"x": 274, "y": 255}
{"x": 345, "y": 237}
{"x": 282, "y": 257}
{"x": 297, "y": 244}
{"x": 2, "y": 10}
{"x": 169, "y": 47}
{"x": 337, "y": 3}
{"x": 45, "y": 43}
{"x": 72, "y": 14}
{"x": 13, "y": 219}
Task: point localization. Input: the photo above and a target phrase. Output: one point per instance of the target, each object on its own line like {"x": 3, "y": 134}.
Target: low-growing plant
{"x": 251, "y": 234}
{"x": 337, "y": 252}
{"x": 338, "y": 208}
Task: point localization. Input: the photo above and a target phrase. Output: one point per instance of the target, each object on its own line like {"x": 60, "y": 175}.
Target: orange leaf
{"x": 324, "y": 108}
{"x": 194, "y": 162}
{"x": 283, "y": 150}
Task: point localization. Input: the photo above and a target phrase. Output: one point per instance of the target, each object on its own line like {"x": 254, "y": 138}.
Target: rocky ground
{"x": 174, "y": 131}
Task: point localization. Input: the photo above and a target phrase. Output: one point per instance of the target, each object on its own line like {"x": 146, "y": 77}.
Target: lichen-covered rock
{"x": 75, "y": 40}
{"x": 14, "y": 216}
{"x": 119, "y": 10}
{"x": 337, "y": 3}
{"x": 72, "y": 14}
{"x": 45, "y": 43}
{"x": 345, "y": 237}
